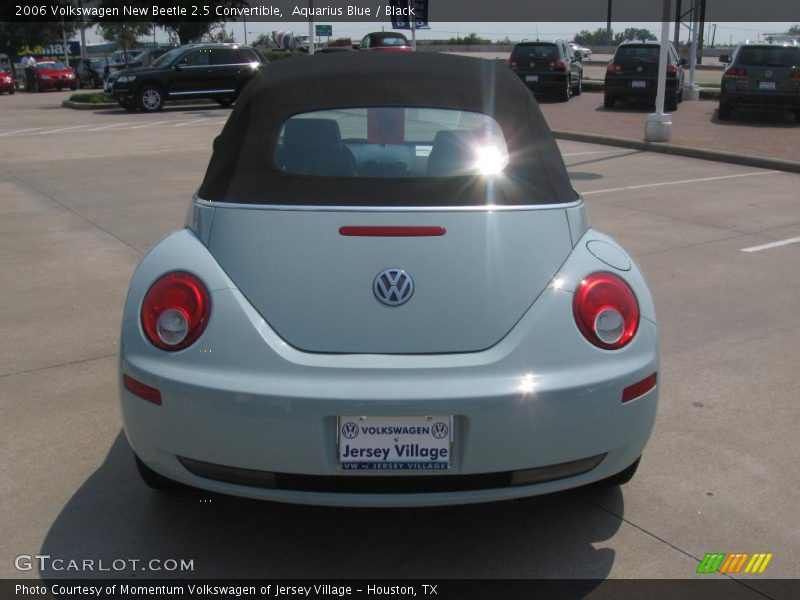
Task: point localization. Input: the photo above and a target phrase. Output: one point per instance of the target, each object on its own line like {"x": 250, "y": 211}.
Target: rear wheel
{"x": 622, "y": 477}
{"x": 724, "y": 111}
{"x": 609, "y": 101}
{"x": 155, "y": 481}
{"x": 150, "y": 98}
{"x": 564, "y": 94}
{"x": 796, "y": 113}
{"x": 576, "y": 91}
{"x": 227, "y": 101}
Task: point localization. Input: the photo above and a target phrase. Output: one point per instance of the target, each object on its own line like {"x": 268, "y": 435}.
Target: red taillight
{"x": 606, "y": 310}
{"x": 391, "y": 231}
{"x": 736, "y": 72}
{"x": 558, "y": 65}
{"x": 512, "y": 64}
{"x": 175, "y": 310}
{"x": 672, "y": 70}
{"x": 614, "y": 68}
{"x": 640, "y": 388}
{"x": 138, "y": 388}
{"x": 795, "y": 74}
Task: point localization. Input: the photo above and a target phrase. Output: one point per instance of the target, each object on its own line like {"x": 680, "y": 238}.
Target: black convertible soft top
{"x": 242, "y": 168}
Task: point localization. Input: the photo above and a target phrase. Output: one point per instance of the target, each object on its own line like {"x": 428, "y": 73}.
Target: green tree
{"x": 632, "y": 33}
{"x": 218, "y": 34}
{"x": 472, "y": 39}
{"x": 195, "y": 30}
{"x": 125, "y": 34}
{"x": 591, "y": 38}
{"x": 794, "y": 30}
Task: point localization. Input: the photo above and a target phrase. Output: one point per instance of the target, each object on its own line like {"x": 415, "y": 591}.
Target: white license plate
{"x": 638, "y": 84}
{"x": 395, "y": 443}
{"x": 531, "y": 78}
{"x": 766, "y": 85}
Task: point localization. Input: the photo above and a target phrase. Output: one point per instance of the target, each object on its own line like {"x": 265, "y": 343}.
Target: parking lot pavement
{"x": 77, "y": 211}
{"x": 694, "y": 124}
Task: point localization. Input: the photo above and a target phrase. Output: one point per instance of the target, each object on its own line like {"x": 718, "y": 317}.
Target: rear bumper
{"x": 241, "y": 398}
{"x": 546, "y": 83}
{"x": 623, "y": 88}
{"x": 762, "y": 100}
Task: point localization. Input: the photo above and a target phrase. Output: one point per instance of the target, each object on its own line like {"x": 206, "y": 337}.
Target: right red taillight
{"x": 512, "y": 63}
{"x": 606, "y": 310}
{"x": 614, "y": 68}
{"x": 735, "y": 72}
{"x": 175, "y": 310}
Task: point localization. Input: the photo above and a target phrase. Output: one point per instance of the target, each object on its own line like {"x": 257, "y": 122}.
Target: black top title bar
{"x": 378, "y": 10}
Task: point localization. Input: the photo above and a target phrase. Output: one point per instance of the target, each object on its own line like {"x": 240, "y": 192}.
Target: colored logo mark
{"x": 735, "y": 562}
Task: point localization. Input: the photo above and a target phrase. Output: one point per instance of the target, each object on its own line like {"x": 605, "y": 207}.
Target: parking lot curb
{"x": 88, "y": 105}
{"x": 761, "y": 162}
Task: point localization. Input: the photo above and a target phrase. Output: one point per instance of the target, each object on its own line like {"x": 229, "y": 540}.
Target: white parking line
{"x": 786, "y": 242}
{"x": 190, "y": 122}
{"x": 153, "y": 124}
{"x": 108, "y": 126}
{"x": 60, "y": 129}
{"x": 16, "y": 131}
{"x": 681, "y": 182}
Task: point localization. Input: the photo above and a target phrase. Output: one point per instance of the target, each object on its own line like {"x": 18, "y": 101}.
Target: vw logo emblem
{"x": 768, "y": 73}
{"x": 639, "y": 69}
{"x": 440, "y": 430}
{"x": 393, "y": 287}
{"x": 350, "y": 430}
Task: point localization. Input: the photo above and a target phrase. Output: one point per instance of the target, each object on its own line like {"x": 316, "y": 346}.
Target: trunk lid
{"x": 314, "y": 286}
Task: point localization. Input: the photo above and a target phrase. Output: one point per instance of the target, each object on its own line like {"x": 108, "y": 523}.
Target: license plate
{"x": 638, "y": 84}
{"x": 395, "y": 443}
{"x": 766, "y": 85}
{"x": 533, "y": 78}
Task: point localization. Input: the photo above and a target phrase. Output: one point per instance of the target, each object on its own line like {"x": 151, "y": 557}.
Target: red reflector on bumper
{"x": 377, "y": 231}
{"x": 639, "y": 388}
{"x": 145, "y": 392}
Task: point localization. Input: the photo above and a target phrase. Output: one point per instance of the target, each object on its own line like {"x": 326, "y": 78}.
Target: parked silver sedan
{"x": 387, "y": 293}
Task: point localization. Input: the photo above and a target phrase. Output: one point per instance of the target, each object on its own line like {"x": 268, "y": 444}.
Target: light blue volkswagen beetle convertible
{"x": 387, "y": 294}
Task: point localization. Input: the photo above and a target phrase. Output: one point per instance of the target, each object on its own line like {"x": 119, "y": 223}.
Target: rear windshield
{"x": 390, "y": 143}
{"x": 637, "y": 54}
{"x": 769, "y": 56}
{"x": 523, "y": 52}
{"x": 389, "y": 41}
{"x": 44, "y": 66}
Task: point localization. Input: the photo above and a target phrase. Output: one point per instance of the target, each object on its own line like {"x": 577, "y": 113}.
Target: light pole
{"x": 311, "y": 32}
{"x": 658, "y": 125}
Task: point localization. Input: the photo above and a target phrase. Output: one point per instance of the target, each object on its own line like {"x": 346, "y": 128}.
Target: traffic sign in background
{"x": 324, "y": 30}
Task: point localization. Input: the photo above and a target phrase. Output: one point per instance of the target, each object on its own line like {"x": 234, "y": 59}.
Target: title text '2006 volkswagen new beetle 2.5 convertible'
{"x": 387, "y": 294}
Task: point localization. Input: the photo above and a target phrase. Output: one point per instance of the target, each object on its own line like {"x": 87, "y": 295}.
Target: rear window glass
{"x": 389, "y": 41}
{"x": 638, "y": 54}
{"x": 535, "y": 51}
{"x": 769, "y": 56}
{"x": 391, "y": 142}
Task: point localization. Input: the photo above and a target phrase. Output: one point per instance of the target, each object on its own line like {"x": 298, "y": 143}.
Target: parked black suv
{"x": 214, "y": 71}
{"x": 762, "y": 76}
{"x": 633, "y": 75}
{"x": 549, "y": 67}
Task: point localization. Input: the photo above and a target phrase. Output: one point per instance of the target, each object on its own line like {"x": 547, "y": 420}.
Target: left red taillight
{"x": 175, "y": 311}
{"x": 606, "y": 310}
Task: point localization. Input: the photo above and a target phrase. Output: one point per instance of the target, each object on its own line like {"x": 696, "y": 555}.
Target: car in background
{"x": 385, "y": 41}
{"x": 54, "y": 75}
{"x": 210, "y": 71}
{"x": 91, "y": 72}
{"x": 7, "y": 83}
{"x": 148, "y": 56}
{"x": 548, "y": 67}
{"x": 761, "y": 76}
{"x": 584, "y": 52}
{"x": 632, "y": 74}
{"x": 400, "y": 302}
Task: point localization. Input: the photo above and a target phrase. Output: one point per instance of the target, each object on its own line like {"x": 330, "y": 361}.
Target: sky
{"x": 725, "y": 32}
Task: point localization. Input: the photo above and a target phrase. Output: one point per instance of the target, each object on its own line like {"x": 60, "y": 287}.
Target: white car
{"x": 387, "y": 295}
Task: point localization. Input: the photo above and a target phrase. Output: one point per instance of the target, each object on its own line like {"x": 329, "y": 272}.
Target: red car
{"x": 6, "y": 82}
{"x": 386, "y": 42}
{"x": 55, "y": 75}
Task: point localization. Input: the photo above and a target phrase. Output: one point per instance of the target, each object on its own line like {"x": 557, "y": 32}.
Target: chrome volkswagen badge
{"x": 393, "y": 287}
{"x": 767, "y": 73}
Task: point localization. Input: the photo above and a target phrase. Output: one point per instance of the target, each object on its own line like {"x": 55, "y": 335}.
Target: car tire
{"x": 609, "y": 101}
{"x": 12, "y": 92}
{"x": 564, "y": 95}
{"x": 578, "y": 89}
{"x": 150, "y": 98}
{"x": 227, "y": 101}
{"x": 724, "y": 111}
{"x": 796, "y": 115}
{"x": 154, "y": 480}
{"x": 671, "y": 103}
{"x": 73, "y": 87}
{"x": 622, "y": 477}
